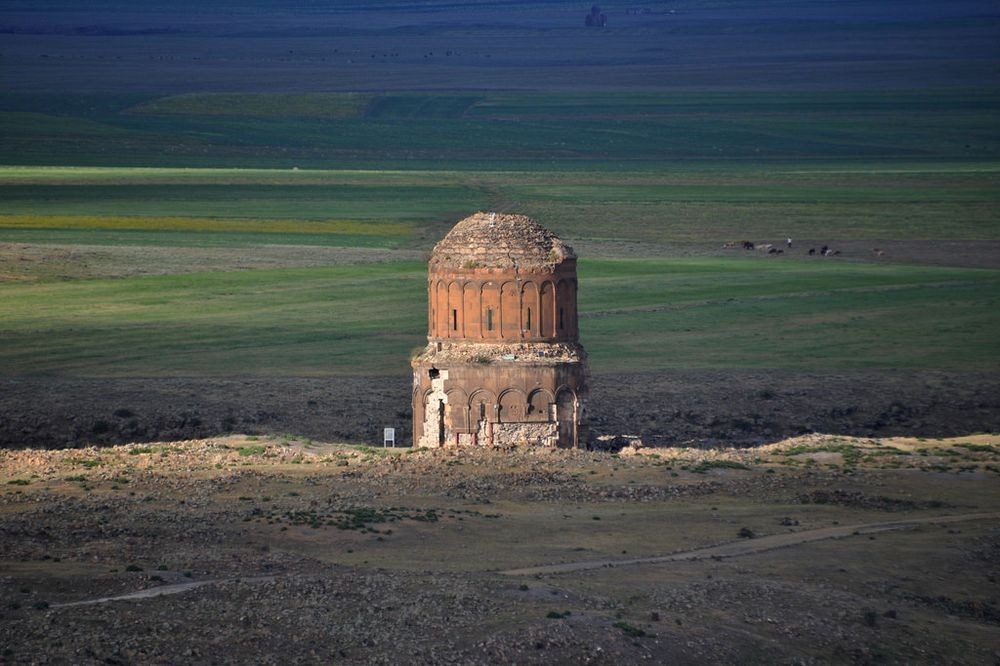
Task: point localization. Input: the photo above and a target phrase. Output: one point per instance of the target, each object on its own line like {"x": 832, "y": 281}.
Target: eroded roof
{"x": 499, "y": 240}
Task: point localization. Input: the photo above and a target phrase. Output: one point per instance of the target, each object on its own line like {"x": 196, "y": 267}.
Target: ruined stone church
{"x": 503, "y": 365}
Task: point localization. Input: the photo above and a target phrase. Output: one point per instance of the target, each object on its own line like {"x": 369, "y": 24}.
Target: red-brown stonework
{"x": 503, "y": 365}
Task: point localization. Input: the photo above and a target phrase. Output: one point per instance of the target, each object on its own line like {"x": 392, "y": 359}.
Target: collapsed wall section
{"x": 529, "y": 397}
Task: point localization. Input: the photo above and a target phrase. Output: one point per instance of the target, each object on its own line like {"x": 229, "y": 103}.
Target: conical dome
{"x": 496, "y": 240}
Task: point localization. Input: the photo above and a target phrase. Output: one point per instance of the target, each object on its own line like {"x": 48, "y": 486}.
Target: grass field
{"x": 932, "y": 200}
{"x": 635, "y": 315}
{"x": 632, "y": 177}
{"x": 486, "y": 130}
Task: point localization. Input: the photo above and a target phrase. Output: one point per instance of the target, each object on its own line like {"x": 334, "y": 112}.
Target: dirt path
{"x": 731, "y": 549}
{"x": 751, "y": 546}
{"x": 160, "y": 591}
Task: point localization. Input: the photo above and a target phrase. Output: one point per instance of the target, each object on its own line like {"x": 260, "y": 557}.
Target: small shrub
{"x": 254, "y": 450}
{"x": 124, "y": 413}
{"x": 981, "y": 448}
{"x": 746, "y": 533}
{"x": 556, "y": 615}
{"x": 18, "y": 482}
{"x": 40, "y": 605}
{"x": 635, "y": 632}
{"x": 133, "y": 567}
{"x": 707, "y": 465}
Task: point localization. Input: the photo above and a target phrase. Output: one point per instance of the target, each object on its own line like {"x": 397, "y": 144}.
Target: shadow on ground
{"x": 695, "y": 408}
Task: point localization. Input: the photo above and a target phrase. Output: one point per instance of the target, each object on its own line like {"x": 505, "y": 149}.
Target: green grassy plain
{"x": 652, "y": 172}
{"x": 534, "y": 130}
{"x": 635, "y": 315}
{"x": 937, "y": 200}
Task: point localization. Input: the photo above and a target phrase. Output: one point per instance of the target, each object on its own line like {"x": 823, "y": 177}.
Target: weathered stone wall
{"x": 526, "y": 434}
{"x": 489, "y": 304}
{"x": 455, "y": 398}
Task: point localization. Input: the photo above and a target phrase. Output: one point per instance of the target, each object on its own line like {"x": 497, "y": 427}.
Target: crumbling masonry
{"x": 503, "y": 366}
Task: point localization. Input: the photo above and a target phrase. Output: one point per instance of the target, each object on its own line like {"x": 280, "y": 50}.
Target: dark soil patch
{"x": 859, "y": 500}
{"x": 749, "y": 408}
{"x": 703, "y": 408}
{"x": 984, "y": 611}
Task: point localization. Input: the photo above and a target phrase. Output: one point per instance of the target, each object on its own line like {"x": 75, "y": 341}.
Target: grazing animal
{"x": 878, "y": 252}
{"x": 747, "y": 245}
{"x": 823, "y": 250}
{"x": 773, "y": 251}
{"x": 767, "y": 247}
{"x": 812, "y": 251}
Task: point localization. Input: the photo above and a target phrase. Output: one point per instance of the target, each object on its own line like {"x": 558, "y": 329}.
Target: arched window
{"x": 547, "y": 311}
{"x": 529, "y": 309}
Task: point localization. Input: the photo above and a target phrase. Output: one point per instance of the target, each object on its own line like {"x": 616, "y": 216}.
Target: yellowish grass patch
{"x": 213, "y": 224}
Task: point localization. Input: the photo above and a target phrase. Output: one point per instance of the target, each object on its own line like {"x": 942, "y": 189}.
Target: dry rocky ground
{"x": 285, "y": 550}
